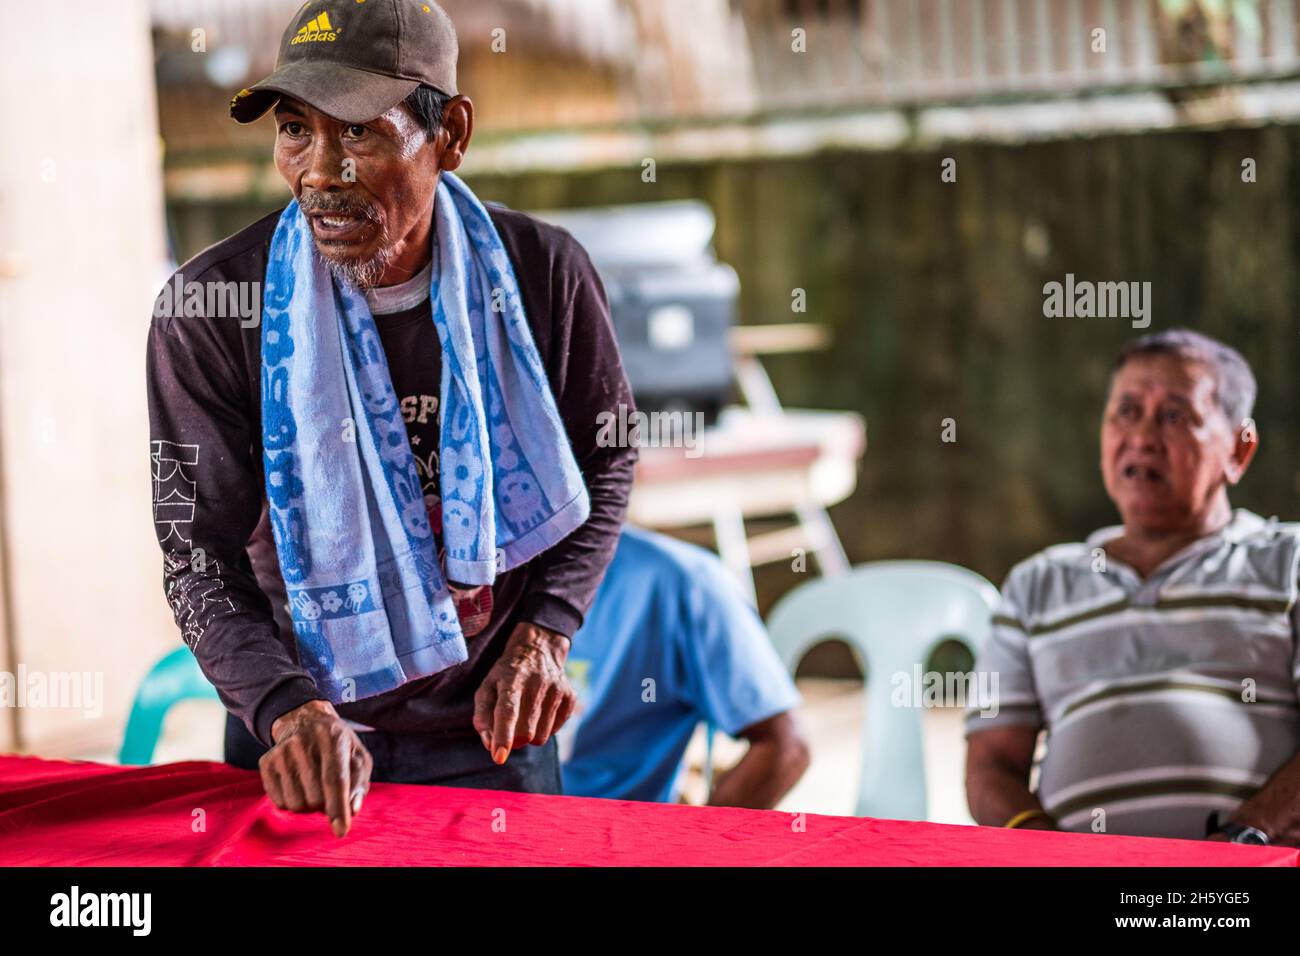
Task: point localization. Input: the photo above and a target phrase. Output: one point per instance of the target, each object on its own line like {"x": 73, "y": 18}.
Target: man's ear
{"x": 456, "y": 132}
{"x": 1243, "y": 450}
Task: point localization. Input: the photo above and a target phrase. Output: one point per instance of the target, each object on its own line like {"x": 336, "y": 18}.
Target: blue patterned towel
{"x": 369, "y": 602}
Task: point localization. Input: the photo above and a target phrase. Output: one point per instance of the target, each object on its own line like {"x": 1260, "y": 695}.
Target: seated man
{"x": 671, "y": 642}
{"x": 1159, "y": 656}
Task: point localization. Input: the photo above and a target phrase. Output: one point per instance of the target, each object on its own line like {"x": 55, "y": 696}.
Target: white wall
{"x": 81, "y": 257}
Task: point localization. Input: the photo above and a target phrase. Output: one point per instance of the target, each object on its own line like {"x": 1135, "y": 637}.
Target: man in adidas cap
{"x": 368, "y": 116}
{"x": 390, "y": 63}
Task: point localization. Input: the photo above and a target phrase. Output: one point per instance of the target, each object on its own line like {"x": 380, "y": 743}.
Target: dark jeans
{"x": 448, "y": 761}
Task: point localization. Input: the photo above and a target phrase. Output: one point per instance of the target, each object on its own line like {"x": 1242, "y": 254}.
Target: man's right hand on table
{"x": 318, "y": 763}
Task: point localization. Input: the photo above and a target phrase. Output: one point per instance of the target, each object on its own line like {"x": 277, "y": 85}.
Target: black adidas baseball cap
{"x": 356, "y": 59}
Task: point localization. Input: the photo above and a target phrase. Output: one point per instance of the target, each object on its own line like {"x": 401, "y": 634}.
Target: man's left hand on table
{"x": 526, "y": 697}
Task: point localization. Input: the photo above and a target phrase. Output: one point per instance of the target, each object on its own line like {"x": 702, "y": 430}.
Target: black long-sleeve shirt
{"x": 221, "y": 574}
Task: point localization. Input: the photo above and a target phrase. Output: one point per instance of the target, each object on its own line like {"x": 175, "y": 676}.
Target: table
{"x": 755, "y": 464}
{"x": 210, "y": 814}
{"x": 759, "y": 460}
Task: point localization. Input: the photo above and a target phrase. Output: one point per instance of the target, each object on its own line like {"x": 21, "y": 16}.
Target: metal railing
{"x": 892, "y": 52}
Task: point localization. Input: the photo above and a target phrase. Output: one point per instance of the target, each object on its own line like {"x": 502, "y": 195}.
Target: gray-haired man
{"x": 1160, "y": 656}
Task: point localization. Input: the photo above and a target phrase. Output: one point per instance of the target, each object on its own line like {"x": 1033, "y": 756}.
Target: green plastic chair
{"x": 892, "y": 614}
{"x": 175, "y": 678}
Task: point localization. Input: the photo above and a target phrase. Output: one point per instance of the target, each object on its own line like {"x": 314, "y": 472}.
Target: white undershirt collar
{"x": 385, "y": 300}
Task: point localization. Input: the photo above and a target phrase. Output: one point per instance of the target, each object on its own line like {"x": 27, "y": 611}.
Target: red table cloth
{"x": 211, "y": 814}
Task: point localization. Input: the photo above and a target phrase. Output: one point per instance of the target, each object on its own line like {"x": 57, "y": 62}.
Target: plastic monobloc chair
{"x": 892, "y": 614}
{"x": 175, "y": 678}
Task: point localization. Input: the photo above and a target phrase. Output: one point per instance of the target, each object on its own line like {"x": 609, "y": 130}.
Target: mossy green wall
{"x": 933, "y": 291}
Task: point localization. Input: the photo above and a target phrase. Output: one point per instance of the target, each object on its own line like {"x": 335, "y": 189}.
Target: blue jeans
{"x": 447, "y": 761}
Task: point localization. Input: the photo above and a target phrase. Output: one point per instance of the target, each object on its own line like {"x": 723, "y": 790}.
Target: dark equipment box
{"x": 672, "y": 303}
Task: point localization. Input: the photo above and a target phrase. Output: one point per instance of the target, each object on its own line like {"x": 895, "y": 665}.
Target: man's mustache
{"x": 337, "y": 204}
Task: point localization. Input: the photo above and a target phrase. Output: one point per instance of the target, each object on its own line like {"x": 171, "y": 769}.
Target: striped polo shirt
{"x": 1163, "y": 698}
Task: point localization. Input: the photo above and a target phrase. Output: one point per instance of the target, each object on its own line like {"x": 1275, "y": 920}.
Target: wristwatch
{"x": 1236, "y": 832}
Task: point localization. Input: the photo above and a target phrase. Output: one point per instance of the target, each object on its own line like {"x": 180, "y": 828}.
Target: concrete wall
{"x": 81, "y": 257}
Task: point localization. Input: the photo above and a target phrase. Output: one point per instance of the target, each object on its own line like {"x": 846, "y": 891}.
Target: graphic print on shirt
{"x": 195, "y": 596}
{"x": 174, "y": 492}
{"x": 420, "y": 412}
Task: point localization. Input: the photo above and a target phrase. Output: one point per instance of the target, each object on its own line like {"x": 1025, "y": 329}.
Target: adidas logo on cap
{"x": 318, "y": 30}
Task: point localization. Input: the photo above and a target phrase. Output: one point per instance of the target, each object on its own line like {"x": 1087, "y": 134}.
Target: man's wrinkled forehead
{"x": 1175, "y": 377}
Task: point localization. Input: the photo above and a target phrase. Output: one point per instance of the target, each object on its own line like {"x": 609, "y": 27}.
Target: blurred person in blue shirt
{"x": 671, "y": 641}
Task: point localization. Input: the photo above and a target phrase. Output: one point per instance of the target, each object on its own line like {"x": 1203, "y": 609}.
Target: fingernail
{"x": 487, "y": 742}
{"x": 337, "y": 826}
{"x": 501, "y": 754}
{"x": 356, "y": 802}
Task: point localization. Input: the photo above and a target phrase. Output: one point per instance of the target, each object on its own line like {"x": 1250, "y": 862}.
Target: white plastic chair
{"x": 892, "y": 614}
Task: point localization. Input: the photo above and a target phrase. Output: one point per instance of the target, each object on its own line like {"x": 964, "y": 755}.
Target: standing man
{"x": 383, "y": 509}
